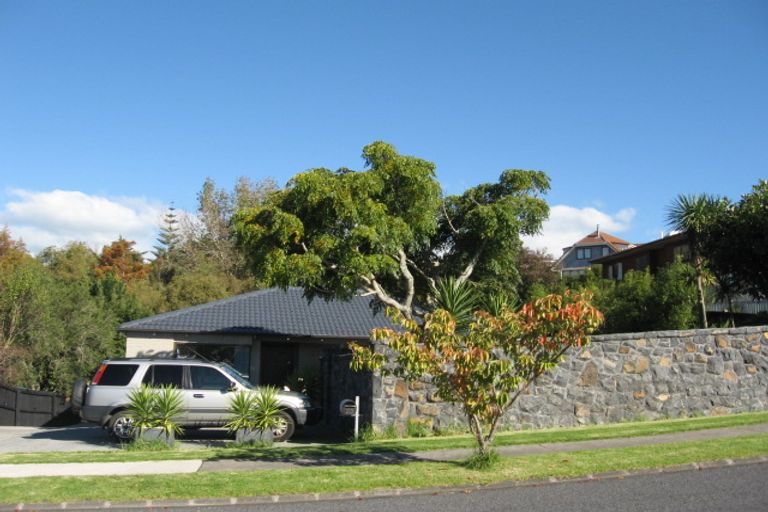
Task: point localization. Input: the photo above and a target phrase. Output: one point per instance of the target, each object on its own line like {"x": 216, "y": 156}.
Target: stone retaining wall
{"x": 618, "y": 377}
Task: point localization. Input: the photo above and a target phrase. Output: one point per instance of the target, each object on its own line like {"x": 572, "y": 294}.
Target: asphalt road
{"x": 739, "y": 488}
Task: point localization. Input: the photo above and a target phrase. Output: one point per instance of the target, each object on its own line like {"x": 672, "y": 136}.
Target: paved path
{"x": 157, "y": 467}
{"x": 446, "y": 455}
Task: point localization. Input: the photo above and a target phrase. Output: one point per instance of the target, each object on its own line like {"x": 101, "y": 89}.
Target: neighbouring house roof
{"x": 271, "y": 312}
{"x": 676, "y": 239}
{"x": 600, "y": 238}
{"x": 596, "y": 237}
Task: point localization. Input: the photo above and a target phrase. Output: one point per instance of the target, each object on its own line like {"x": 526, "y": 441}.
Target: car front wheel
{"x": 121, "y": 426}
{"x": 284, "y": 428}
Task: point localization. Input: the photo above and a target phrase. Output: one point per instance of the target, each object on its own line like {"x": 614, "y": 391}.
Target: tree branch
{"x": 423, "y": 274}
{"x": 448, "y": 219}
{"x": 471, "y": 265}
{"x": 374, "y": 288}
{"x": 408, "y": 279}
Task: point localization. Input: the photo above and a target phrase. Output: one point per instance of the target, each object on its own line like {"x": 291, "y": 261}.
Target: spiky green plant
{"x": 141, "y": 407}
{"x": 254, "y": 410}
{"x": 168, "y": 406}
{"x": 266, "y": 408}
{"x": 241, "y": 407}
{"x": 459, "y": 298}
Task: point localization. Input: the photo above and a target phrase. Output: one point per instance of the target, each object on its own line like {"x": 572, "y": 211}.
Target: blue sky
{"x": 110, "y": 111}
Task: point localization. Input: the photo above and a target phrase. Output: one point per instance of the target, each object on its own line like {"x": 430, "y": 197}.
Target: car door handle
{"x": 198, "y": 395}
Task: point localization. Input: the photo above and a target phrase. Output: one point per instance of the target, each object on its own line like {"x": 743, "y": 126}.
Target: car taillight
{"x": 97, "y": 377}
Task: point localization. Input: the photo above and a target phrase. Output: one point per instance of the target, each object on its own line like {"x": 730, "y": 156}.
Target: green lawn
{"x": 403, "y": 445}
{"x": 410, "y": 475}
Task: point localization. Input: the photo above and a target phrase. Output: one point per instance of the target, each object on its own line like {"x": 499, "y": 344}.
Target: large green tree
{"x": 693, "y": 214}
{"x": 736, "y": 243}
{"x": 388, "y": 230}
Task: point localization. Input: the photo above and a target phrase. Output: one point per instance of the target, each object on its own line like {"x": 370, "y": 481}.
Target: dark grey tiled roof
{"x": 272, "y": 311}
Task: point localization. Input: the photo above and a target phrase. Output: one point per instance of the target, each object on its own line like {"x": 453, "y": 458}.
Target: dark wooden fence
{"x": 27, "y": 408}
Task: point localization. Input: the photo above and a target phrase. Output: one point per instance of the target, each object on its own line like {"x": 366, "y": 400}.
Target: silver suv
{"x": 206, "y": 389}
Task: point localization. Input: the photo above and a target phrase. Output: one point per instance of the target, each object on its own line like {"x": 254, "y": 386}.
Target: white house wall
{"x": 148, "y": 347}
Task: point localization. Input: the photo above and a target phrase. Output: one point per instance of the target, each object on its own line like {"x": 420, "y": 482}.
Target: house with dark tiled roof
{"x": 649, "y": 256}
{"x": 577, "y": 258}
{"x": 271, "y": 336}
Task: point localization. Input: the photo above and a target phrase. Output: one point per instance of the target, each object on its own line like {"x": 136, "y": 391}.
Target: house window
{"x": 583, "y": 254}
{"x": 605, "y": 251}
{"x": 610, "y": 271}
{"x": 619, "y": 271}
{"x": 641, "y": 262}
{"x": 682, "y": 252}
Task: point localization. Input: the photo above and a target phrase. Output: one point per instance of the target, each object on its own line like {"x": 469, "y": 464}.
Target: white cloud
{"x": 567, "y": 225}
{"x": 57, "y": 217}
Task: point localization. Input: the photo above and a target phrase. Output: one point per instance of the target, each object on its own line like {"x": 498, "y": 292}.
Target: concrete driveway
{"x": 87, "y": 437}
{"x": 76, "y": 438}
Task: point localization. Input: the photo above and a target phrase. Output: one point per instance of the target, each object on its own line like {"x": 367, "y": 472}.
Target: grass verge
{"x": 636, "y": 429}
{"x": 345, "y": 478}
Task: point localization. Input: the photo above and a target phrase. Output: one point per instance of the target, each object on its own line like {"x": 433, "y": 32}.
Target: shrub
{"x": 254, "y": 410}
{"x": 155, "y": 408}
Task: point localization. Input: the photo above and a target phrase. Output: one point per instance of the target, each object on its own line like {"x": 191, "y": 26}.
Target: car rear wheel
{"x": 285, "y": 428}
{"x": 121, "y": 426}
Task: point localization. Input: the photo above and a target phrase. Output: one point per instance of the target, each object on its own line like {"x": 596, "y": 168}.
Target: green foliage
{"x": 155, "y": 408}
{"x": 389, "y": 230}
{"x": 146, "y": 445}
{"x": 735, "y": 243}
{"x": 366, "y": 434}
{"x": 391, "y": 432}
{"x": 485, "y": 367}
{"x": 674, "y": 304}
{"x": 59, "y": 311}
{"x": 535, "y": 269}
{"x": 57, "y": 318}
{"x": 692, "y": 214}
{"x": 482, "y": 461}
{"x": 416, "y": 428}
{"x": 141, "y": 407}
{"x": 642, "y": 302}
{"x": 196, "y": 287}
{"x": 483, "y": 225}
{"x": 460, "y": 299}
{"x": 169, "y": 404}
{"x": 254, "y": 410}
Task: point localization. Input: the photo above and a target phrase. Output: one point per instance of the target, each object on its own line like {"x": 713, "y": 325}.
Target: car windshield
{"x": 236, "y": 375}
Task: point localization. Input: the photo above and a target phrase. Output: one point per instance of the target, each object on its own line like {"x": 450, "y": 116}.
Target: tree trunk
{"x": 484, "y": 441}
{"x": 730, "y": 310}
{"x": 702, "y": 302}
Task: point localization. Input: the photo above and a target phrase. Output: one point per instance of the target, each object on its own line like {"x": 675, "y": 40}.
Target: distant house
{"x": 652, "y": 256}
{"x": 577, "y": 258}
{"x": 272, "y": 337}
{"x": 659, "y": 253}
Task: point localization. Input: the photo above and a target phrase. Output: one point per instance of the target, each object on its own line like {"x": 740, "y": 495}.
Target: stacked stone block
{"x": 619, "y": 377}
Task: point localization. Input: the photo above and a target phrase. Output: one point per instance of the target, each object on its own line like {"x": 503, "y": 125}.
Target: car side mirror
{"x": 232, "y": 387}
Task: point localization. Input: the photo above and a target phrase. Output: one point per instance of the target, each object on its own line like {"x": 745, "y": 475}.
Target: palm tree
{"x": 692, "y": 214}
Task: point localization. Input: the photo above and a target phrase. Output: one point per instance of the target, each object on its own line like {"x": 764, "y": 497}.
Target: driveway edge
{"x": 379, "y": 493}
